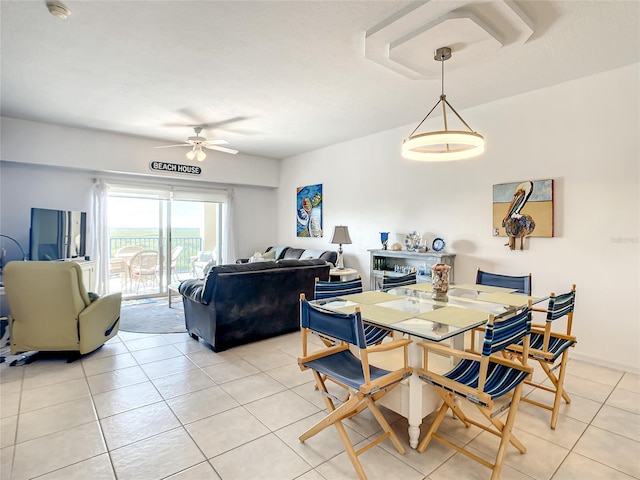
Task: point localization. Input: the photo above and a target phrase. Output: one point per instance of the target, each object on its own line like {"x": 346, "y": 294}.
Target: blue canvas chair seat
{"x": 336, "y": 362}
{"x": 481, "y": 378}
{"x": 547, "y": 345}
{"x": 521, "y": 284}
{"x": 389, "y": 282}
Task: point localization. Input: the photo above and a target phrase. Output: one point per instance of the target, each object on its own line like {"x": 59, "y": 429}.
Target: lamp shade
{"x": 341, "y": 235}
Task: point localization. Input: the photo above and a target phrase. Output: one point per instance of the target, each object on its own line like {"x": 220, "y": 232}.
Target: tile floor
{"x": 165, "y": 406}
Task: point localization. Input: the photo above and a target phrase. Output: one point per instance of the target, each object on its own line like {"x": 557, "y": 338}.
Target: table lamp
{"x": 340, "y": 236}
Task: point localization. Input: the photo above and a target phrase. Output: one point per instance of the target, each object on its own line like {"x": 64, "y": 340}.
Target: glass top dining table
{"x": 411, "y": 310}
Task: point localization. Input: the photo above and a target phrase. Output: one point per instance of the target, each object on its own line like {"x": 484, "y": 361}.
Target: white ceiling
{"x": 287, "y": 77}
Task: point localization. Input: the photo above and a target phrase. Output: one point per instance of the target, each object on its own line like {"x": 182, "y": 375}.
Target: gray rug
{"x": 152, "y": 316}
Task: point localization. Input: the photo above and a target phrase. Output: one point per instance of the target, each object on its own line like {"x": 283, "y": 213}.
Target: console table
{"x": 386, "y": 260}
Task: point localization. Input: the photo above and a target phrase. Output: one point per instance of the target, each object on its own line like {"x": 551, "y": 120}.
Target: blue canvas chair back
{"x": 561, "y": 305}
{"x": 340, "y": 326}
{"x": 335, "y": 289}
{"x": 501, "y": 333}
{"x": 521, "y": 284}
{"x": 393, "y": 282}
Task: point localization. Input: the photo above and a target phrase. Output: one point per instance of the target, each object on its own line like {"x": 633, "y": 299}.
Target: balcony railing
{"x": 191, "y": 246}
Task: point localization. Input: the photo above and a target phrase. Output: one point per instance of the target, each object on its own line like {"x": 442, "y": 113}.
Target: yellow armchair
{"x": 51, "y": 310}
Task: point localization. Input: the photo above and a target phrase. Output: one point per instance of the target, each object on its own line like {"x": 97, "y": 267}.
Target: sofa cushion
{"x": 292, "y": 253}
{"x": 279, "y": 251}
{"x": 307, "y": 254}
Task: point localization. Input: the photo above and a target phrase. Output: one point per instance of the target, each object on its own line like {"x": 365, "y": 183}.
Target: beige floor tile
{"x": 202, "y": 471}
{"x": 289, "y": 375}
{"x": 205, "y": 357}
{"x": 269, "y": 359}
{"x": 536, "y": 421}
{"x": 378, "y": 464}
{"x": 124, "y": 377}
{"x": 9, "y": 404}
{"x": 95, "y": 366}
{"x": 125, "y": 398}
{"x": 611, "y": 449}
{"x": 53, "y": 394}
{"x": 52, "y": 452}
{"x": 62, "y": 416}
{"x": 618, "y": 421}
{"x": 321, "y": 447}
{"x": 281, "y": 409}
{"x": 580, "y": 408}
{"x": 311, "y": 475}
{"x": 49, "y": 372}
{"x": 145, "y": 341}
{"x": 156, "y": 457}
{"x": 154, "y": 354}
{"x": 10, "y": 379}
{"x": 189, "y": 345}
{"x": 254, "y": 387}
{"x": 270, "y": 458}
{"x": 460, "y": 466}
{"x": 175, "y": 338}
{"x": 6, "y": 461}
{"x": 138, "y": 424}
{"x": 576, "y": 466}
{"x": 8, "y": 428}
{"x": 630, "y": 382}
{"x": 593, "y": 372}
{"x": 107, "y": 350}
{"x": 228, "y": 371}
{"x": 167, "y": 367}
{"x": 541, "y": 459}
{"x": 201, "y": 404}
{"x": 95, "y": 468}
{"x": 587, "y": 388}
{"x": 184, "y": 382}
{"x": 625, "y": 400}
{"x": 225, "y": 431}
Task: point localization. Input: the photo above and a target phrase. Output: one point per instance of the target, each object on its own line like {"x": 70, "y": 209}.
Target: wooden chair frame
{"x": 483, "y": 392}
{"x": 547, "y": 346}
{"x": 348, "y": 331}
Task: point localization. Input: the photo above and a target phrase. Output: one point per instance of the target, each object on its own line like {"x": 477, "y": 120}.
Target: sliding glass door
{"x": 159, "y": 237}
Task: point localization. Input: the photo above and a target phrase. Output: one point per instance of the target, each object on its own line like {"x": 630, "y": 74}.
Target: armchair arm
{"x": 386, "y": 346}
{"x": 98, "y": 322}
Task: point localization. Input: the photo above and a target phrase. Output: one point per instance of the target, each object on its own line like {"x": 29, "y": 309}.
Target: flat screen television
{"x": 57, "y": 234}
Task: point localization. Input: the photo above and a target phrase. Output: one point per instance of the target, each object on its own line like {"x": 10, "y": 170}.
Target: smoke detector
{"x": 58, "y": 10}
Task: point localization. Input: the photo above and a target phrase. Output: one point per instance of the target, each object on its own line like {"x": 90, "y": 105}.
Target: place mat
{"x": 423, "y": 287}
{"x": 482, "y": 288}
{"x": 378, "y": 314}
{"x": 511, "y": 299}
{"x": 369, "y": 298}
{"x": 455, "y": 316}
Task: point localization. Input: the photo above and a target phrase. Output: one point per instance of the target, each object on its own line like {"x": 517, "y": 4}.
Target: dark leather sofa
{"x": 290, "y": 253}
{"x": 241, "y": 303}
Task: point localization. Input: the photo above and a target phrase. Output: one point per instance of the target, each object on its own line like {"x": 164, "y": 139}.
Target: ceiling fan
{"x": 197, "y": 143}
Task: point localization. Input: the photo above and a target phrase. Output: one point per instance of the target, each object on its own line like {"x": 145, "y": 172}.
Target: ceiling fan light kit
{"x": 58, "y": 10}
{"x": 443, "y": 145}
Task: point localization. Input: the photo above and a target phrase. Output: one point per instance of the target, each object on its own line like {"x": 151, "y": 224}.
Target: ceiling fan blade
{"x": 221, "y": 149}
{"x": 210, "y": 125}
{"x": 179, "y": 145}
{"x": 217, "y": 142}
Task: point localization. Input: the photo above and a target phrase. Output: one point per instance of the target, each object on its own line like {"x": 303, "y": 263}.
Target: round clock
{"x": 438, "y": 245}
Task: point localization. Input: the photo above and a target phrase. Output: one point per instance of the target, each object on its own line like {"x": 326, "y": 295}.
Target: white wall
{"x": 583, "y": 134}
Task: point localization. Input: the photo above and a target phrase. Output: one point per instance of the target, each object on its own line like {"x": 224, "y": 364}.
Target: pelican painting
{"x": 515, "y": 223}
{"x": 523, "y": 209}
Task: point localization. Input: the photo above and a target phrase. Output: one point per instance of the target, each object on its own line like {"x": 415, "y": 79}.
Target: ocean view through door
{"x": 156, "y": 240}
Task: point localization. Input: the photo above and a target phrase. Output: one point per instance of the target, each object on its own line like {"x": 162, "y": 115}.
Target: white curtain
{"x": 228, "y": 242}
{"x": 100, "y": 235}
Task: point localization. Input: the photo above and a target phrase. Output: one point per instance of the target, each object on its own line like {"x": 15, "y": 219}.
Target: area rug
{"x": 152, "y": 316}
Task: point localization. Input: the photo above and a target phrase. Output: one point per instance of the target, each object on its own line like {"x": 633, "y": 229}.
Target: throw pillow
{"x": 262, "y": 257}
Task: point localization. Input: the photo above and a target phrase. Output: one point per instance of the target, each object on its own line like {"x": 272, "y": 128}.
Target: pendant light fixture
{"x": 197, "y": 153}
{"x": 443, "y": 145}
